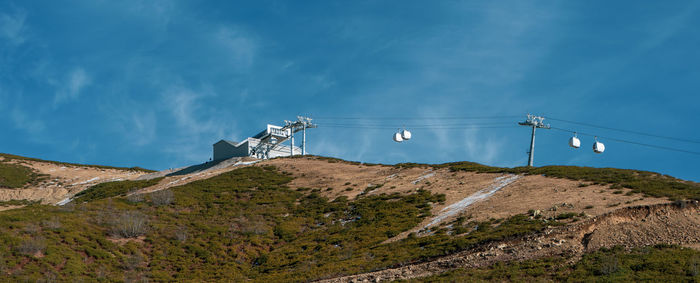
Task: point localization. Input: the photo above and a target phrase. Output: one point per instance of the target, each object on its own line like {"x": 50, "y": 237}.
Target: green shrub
{"x": 651, "y": 264}
{"x": 243, "y": 225}
{"x": 18, "y": 202}
{"x": 128, "y": 224}
{"x": 162, "y": 197}
{"x": 15, "y": 176}
{"x": 113, "y": 189}
{"x": 566, "y": 215}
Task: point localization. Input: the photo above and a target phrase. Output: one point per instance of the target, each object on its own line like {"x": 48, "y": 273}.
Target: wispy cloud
{"x": 26, "y": 122}
{"x": 135, "y": 124}
{"x": 184, "y": 105}
{"x": 238, "y": 47}
{"x": 143, "y": 127}
{"x": 12, "y": 27}
{"x": 482, "y": 148}
{"x": 196, "y": 125}
{"x": 356, "y": 145}
{"x": 73, "y": 85}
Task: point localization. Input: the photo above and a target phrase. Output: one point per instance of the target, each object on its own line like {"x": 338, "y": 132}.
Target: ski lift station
{"x": 267, "y": 143}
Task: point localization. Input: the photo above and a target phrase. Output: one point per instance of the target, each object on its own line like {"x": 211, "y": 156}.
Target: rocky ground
{"x": 677, "y": 223}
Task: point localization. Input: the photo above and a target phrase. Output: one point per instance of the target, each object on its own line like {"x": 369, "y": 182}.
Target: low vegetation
{"x": 651, "y": 264}
{"x": 10, "y": 157}
{"x": 241, "y": 225}
{"x": 644, "y": 182}
{"x": 16, "y": 176}
{"x": 247, "y": 225}
{"x": 113, "y": 189}
{"x": 15, "y": 202}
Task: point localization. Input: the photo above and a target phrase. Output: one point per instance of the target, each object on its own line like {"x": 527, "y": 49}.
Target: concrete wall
{"x": 225, "y": 150}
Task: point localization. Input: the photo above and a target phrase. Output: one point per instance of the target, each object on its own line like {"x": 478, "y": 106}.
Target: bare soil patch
{"x": 64, "y": 181}
{"x": 551, "y": 196}
{"x": 660, "y": 220}
{"x": 3, "y": 208}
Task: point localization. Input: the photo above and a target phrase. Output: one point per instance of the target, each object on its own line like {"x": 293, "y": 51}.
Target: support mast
{"x": 534, "y": 122}
{"x": 301, "y": 124}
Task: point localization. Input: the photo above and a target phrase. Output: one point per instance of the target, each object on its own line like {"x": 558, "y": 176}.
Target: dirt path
{"x": 9, "y": 207}
{"x": 641, "y": 226}
{"x": 456, "y": 208}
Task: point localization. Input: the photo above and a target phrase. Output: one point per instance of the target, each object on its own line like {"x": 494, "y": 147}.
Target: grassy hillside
{"x": 113, "y": 189}
{"x": 16, "y": 176}
{"x": 242, "y": 225}
{"x": 651, "y": 264}
{"x": 9, "y": 157}
{"x": 644, "y": 182}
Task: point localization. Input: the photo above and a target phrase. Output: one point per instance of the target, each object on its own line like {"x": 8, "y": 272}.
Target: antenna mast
{"x": 534, "y": 122}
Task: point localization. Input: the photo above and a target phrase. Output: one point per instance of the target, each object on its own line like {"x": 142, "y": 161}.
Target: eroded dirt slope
{"x": 551, "y": 196}
{"x": 628, "y": 227}
{"x": 63, "y": 181}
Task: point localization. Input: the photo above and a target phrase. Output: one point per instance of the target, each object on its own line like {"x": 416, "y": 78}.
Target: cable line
{"x": 417, "y": 118}
{"x": 625, "y": 131}
{"x": 425, "y": 123}
{"x": 418, "y": 128}
{"x": 418, "y": 125}
{"x": 630, "y": 142}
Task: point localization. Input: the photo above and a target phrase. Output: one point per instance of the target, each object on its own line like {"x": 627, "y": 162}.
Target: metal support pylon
{"x": 534, "y": 122}
{"x": 301, "y": 124}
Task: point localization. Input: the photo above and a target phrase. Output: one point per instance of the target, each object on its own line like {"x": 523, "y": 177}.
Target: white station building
{"x": 264, "y": 145}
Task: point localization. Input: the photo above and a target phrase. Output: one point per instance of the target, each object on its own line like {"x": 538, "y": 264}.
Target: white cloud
{"x": 135, "y": 124}
{"x": 196, "y": 126}
{"x": 13, "y": 28}
{"x": 481, "y": 148}
{"x": 184, "y": 105}
{"x": 71, "y": 88}
{"x": 143, "y": 127}
{"x": 27, "y": 123}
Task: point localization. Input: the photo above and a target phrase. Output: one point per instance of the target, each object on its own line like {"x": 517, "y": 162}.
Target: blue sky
{"x": 156, "y": 83}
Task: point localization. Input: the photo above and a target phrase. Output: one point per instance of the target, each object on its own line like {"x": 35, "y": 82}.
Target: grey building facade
{"x": 271, "y": 139}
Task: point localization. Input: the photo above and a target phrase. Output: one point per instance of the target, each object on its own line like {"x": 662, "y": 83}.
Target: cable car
{"x": 397, "y": 137}
{"x": 598, "y": 147}
{"x": 574, "y": 142}
{"x": 405, "y": 135}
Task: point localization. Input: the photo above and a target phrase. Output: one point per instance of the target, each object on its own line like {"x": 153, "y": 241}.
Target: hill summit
{"x": 315, "y": 218}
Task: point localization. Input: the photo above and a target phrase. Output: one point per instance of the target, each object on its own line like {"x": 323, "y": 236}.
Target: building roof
{"x": 236, "y": 144}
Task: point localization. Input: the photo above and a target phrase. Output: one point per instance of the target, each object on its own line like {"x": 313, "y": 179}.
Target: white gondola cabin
{"x": 574, "y": 142}
{"x": 397, "y": 137}
{"x": 598, "y": 147}
{"x": 405, "y": 135}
